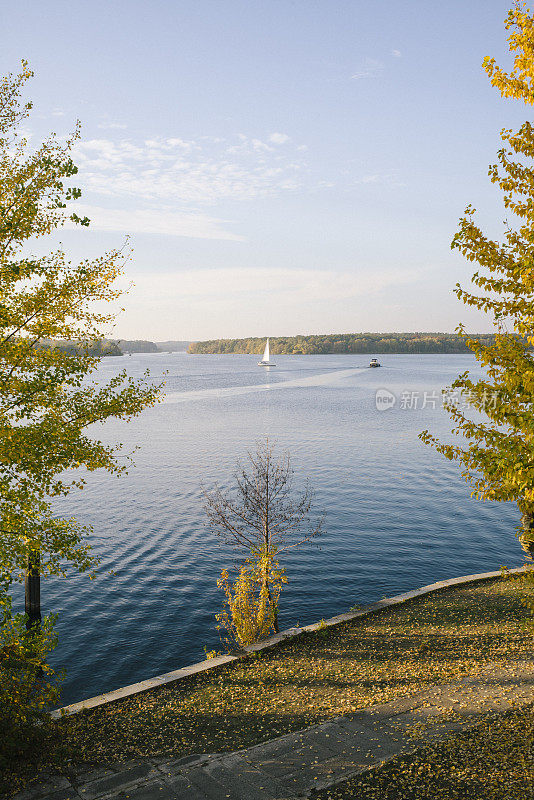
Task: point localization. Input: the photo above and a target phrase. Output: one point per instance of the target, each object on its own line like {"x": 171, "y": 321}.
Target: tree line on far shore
{"x": 113, "y": 347}
{"x": 326, "y": 344}
{"x": 98, "y": 347}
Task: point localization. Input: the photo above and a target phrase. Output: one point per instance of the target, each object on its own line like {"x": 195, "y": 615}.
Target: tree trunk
{"x": 32, "y": 605}
{"x": 275, "y": 623}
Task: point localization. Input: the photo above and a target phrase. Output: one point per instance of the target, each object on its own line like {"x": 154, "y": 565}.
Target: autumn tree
{"x": 49, "y": 396}
{"x": 251, "y": 602}
{"x": 497, "y": 456}
{"x": 263, "y": 517}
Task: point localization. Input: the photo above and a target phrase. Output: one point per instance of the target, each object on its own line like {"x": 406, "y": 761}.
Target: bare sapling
{"x": 263, "y": 516}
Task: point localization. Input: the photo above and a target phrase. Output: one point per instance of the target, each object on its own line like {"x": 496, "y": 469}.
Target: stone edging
{"x": 211, "y": 663}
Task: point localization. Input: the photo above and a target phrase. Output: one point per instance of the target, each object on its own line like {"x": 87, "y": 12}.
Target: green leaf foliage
{"x": 49, "y": 396}
{"x": 496, "y": 453}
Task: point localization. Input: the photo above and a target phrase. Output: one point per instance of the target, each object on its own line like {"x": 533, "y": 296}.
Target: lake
{"x": 398, "y": 515}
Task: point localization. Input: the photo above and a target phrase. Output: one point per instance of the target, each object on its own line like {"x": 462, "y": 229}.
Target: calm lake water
{"x": 398, "y": 515}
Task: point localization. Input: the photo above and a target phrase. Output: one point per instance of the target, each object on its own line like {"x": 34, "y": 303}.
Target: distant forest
{"x": 144, "y": 346}
{"x": 115, "y": 347}
{"x": 370, "y": 343}
{"x": 100, "y": 347}
{"x": 136, "y": 346}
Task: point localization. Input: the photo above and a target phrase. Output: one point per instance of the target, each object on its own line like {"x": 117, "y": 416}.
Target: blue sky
{"x": 282, "y": 167}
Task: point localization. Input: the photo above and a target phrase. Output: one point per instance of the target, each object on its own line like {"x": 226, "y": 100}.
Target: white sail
{"x": 265, "y": 361}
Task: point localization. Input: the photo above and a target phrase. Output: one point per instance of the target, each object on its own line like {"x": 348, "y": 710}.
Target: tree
{"x": 263, "y": 516}
{"x": 48, "y": 397}
{"x": 497, "y": 458}
{"x": 252, "y": 602}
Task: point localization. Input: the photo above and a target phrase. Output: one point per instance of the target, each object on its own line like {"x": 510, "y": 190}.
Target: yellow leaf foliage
{"x": 251, "y": 602}
{"x": 48, "y": 396}
{"x": 28, "y": 686}
{"x": 497, "y": 451}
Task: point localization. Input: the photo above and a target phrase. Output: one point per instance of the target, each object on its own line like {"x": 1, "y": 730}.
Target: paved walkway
{"x": 294, "y": 765}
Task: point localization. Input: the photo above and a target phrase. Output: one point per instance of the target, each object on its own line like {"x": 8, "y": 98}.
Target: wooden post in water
{"x": 32, "y": 604}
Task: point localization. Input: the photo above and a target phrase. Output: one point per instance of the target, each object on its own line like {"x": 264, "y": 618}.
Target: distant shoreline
{"x": 375, "y": 352}
{"x": 345, "y": 344}
{"x": 370, "y": 344}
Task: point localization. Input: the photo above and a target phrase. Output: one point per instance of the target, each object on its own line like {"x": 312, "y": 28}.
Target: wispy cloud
{"x": 166, "y": 221}
{"x": 279, "y": 138}
{"x": 370, "y": 68}
{"x": 199, "y": 172}
{"x": 118, "y": 126}
{"x": 386, "y": 178}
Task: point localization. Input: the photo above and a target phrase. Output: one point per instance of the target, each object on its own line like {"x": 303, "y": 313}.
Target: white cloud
{"x": 371, "y": 68}
{"x": 279, "y": 138}
{"x": 257, "y": 144}
{"x": 168, "y": 222}
{"x": 201, "y": 172}
{"x": 178, "y": 143}
{"x": 390, "y": 178}
{"x": 396, "y": 53}
{"x": 112, "y": 126}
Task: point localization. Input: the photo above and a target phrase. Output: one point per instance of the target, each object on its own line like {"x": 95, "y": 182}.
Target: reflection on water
{"x": 398, "y": 515}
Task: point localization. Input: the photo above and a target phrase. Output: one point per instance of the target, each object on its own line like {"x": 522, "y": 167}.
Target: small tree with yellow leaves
{"x": 264, "y": 518}
{"x": 498, "y": 457}
{"x": 250, "y": 612}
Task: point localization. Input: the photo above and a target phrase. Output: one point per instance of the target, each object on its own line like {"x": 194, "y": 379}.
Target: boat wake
{"x": 323, "y": 379}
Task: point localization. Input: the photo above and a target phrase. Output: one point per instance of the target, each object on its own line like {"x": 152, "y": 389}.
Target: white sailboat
{"x": 265, "y": 360}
